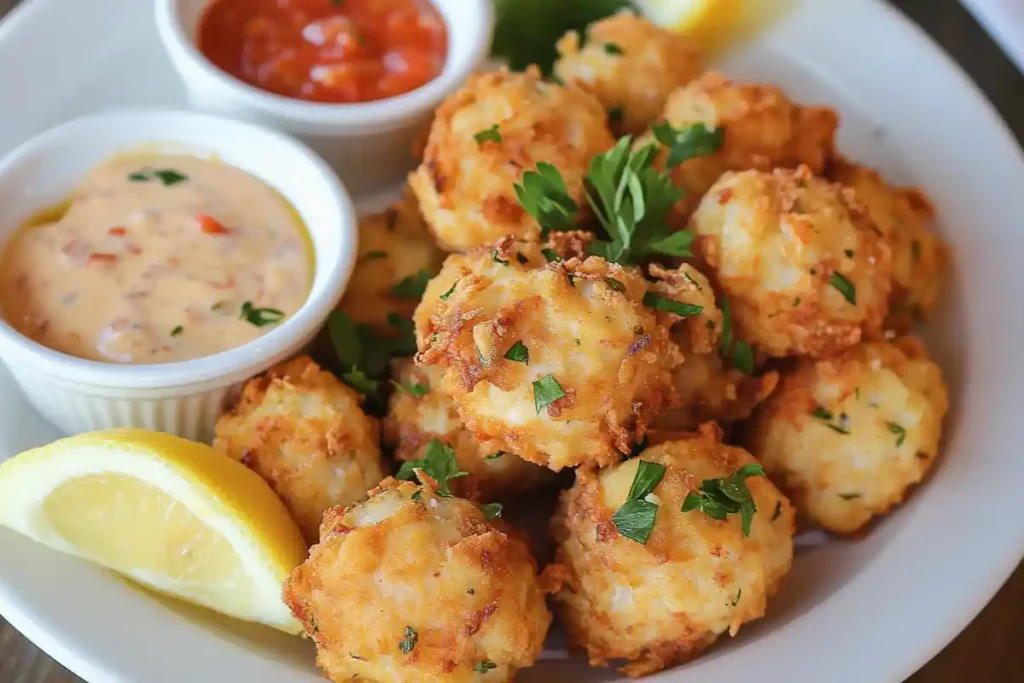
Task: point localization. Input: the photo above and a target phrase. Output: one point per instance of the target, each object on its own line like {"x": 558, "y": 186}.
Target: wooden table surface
{"x": 992, "y": 647}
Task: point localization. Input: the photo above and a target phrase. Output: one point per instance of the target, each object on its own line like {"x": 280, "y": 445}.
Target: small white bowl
{"x": 369, "y": 143}
{"x": 184, "y": 397}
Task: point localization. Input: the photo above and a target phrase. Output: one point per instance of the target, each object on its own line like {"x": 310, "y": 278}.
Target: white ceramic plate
{"x": 870, "y": 611}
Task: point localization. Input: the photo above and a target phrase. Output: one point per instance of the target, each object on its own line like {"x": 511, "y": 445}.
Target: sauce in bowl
{"x": 157, "y": 258}
{"x": 326, "y": 50}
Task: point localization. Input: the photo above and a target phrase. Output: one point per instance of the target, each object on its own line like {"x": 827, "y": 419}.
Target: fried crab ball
{"x": 411, "y": 586}
{"x": 304, "y": 432}
{"x": 559, "y": 362}
{"x": 485, "y": 136}
{"x": 420, "y": 411}
{"x": 631, "y": 65}
{"x": 804, "y": 268}
{"x": 661, "y": 602}
{"x": 847, "y": 436}
{"x": 396, "y": 251}
{"x": 761, "y": 129}
{"x": 710, "y": 387}
{"x": 920, "y": 260}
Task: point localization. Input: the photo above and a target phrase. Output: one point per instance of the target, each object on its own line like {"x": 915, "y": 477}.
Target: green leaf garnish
{"x": 497, "y": 259}
{"x": 743, "y": 357}
{"x": 615, "y": 284}
{"x": 737, "y": 351}
{"x": 363, "y": 354}
{"x": 494, "y": 456}
{"x": 845, "y": 287}
{"x": 177, "y": 330}
{"x": 518, "y": 353}
{"x": 900, "y": 432}
{"x": 693, "y": 141}
{"x": 451, "y": 290}
{"x": 551, "y": 256}
{"x": 358, "y": 380}
{"x": 676, "y": 244}
{"x": 416, "y": 390}
{"x": 661, "y": 303}
{"x": 491, "y": 510}
{"x": 544, "y": 196}
{"x": 612, "y": 49}
{"x": 412, "y": 286}
{"x": 546, "y": 391}
{"x": 260, "y": 316}
{"x": 843, "y": 426}
{"x": 484, "y": 666}
{"x": 438, "y": 463}
{"x": 720, "y": 497}
{"x": 408, "y": 642}
{"x": 635, "y": 519}
{"x": 167, "y": 176}
{"x": 491, "y": 134}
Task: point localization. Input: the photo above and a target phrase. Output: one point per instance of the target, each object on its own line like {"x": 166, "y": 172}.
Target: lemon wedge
{"x": 173, "y": 515}
{"x": 714, "y": 24}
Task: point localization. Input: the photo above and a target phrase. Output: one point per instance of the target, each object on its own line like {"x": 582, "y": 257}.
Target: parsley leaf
{"x": 720, "y": 497}
{"x": 415, "y": 390}
{"x": 494, "y": 456}
{"x": 491, "y": 134}
{"x": 484, "y": 666}
{"x": 662, "y": 303}
{"x": 518, "y": 353}
{"x": 612, "y": 49}
{"x": 845, "y": 287}
{"x": 408, "y": 642}
{"x": 546, "y": 391}
{"x": 676, "y": 244}
{"x": 695, "y": 140}
{"x": 544, "y": 196}
{"x": 635, "y": 519}
{"x": 615, "y": 284}
{"x": 843, "y": 426}
{"x": 491, "y": 510}
{"x": 438, "y": 463}
{"x": 736, "y": 350}
{"x": 900, "y": 432}
{"x": 412, "y": 286}
{"x": 358, "y": 380}
{"x": 364, "y": 355}
{"x": 167, "y": 176}
{"x": 451, "y": 290}
{"x": 743, "y": 357}
{"x": 260, "y": 316}
{"x": 177, "y": 330}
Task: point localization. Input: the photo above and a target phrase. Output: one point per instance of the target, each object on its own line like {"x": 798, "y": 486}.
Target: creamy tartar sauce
{"x": 158, "y": 258}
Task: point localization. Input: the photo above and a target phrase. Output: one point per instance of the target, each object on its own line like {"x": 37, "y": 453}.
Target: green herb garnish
{"x": 843, "y": 427}
{"x": 615, "y": 284}
{"x": 408, "y": 642}
{"x": 845, "y": 287}
{"x": 635, "y": 519}
{"x": 718, "y": 498}
{"x": 412, "y": 286}
{"x": 612, "y": 49}
{"x": 491, "y": 134}
{"x": 518, "y": 353}
{"x": 494, "y": 456}
{"x": 693, "y": 141}
{"x": 438, "y": 463}
{"x": 680, "y": 308}
{"x": 415, "y": 390}
{"x": 167, "y": 176}
{"x": 451, "y": 290}
{"x": 260, "y": 316}
{"x": 544, "y": 196}
{"x": 484, "y": 666}
{"x": 551, "y": 256}
{"x": 546, "y": 391}
{"x": 491, "y": 510}
{"x": 497, "y": 259}
{"x": 736, "y": 350}
{"x": 900, "y": 432}
{"x": 177, "y": 330}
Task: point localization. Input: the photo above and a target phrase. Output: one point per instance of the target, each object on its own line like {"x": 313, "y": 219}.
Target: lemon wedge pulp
{"x": 171, "y": 514}
{"x": 714, "y": 24}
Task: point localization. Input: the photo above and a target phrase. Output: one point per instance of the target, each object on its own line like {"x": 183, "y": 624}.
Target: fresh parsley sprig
{"x": 364, "y": 355}
{"x": 544, "y": 196}
{"x": 635, "y": 519}
{"x": 686, "y": 143}
{"x": 738, "y": 351}
{"x": 718, "y": 498}
{"x": 438, "y": 463}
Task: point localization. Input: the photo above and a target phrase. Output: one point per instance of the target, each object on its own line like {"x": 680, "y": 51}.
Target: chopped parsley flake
{"x": 167, "y": 176}
{"x": 661, "y": 303}
{"x": 695, "y": 140}
{"x": 177, "y": 330}
{"x": 451, "y": 290}
{"x": 518, "y": 353}
{"x": 260, "y": 316}
{"x": 412, "y": 286}
{"x": 718, "y": 498}
{"x": 408, "y": 642}
{"x": 551, "y": 256}
{"x": 635, "y": 519}
{"x": 484, "y": 666}
{"x": 491, "y": 134}
{"x": 844, "y": 287}
{"x": 494, "y": 456}
{"x": 900, "y": 432}
{"x": 491, "y": 510}
{"x": 615, "y": 284}
{"x": 612, "y": 49}
{"x": 415, "y": 390}
{"x": 546, "y": 391}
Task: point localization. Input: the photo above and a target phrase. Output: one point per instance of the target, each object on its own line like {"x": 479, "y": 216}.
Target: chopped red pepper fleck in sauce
{"x": 153, "y": 260}
{"x": 326, "y": 50}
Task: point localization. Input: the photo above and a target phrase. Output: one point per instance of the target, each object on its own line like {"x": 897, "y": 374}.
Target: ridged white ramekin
{"x": 369, "y": 143}
{"x": 183, "y": 398}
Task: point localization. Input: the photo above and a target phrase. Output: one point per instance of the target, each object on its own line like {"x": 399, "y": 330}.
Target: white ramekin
{"x": 185, "y": 397}
{"x": 369, "y": 143}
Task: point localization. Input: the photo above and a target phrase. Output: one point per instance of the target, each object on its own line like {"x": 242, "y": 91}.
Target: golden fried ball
{"x": 410, "y": 586}
{"x": 304, "y": 432}
{"x": 920, "y": 260}
{"x": 709, "y": 389}
{"x": 661, "y": 603}
{"x": 394, "y": 245}
{"x": 413, "y": 421}
{"x": 762, "y": 129}
{"x": 847, "y": 436}
{"x": 599, "y": 361}
{"x": 803, "y": 266}
{"x": 631, "y": 65}
{"x": 466, "y": 186}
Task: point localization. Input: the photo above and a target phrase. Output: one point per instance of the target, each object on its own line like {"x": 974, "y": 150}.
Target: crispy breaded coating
{"x": 304, "y": 432}
{"x": 465, "y": 185}
{"x": 661, "y": 603}
{"x": 805, "y": 269}
{"x": 412, "y": 421}
{"x": 599, "y": 361}
{"x": 631, "y": 65}
{"x": 848, "y": 436}
{"x": 920, "y": 259}
{"x": 762, "y": 130}
{"x": 709, "y": 389}
{"x": 393, "y": 244}
{"x": 410, "y": 586}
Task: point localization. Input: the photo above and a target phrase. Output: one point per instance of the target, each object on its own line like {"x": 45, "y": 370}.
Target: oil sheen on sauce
{"x": 155, "y": 259}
